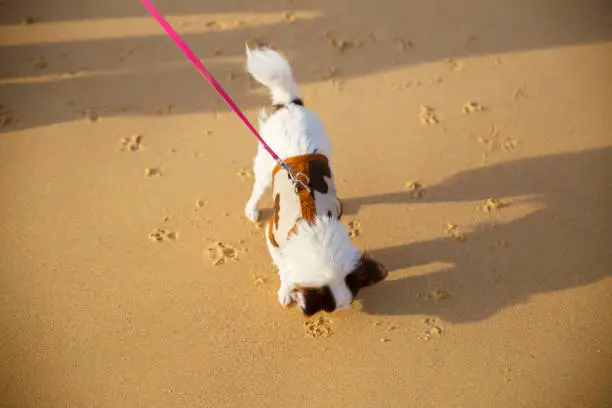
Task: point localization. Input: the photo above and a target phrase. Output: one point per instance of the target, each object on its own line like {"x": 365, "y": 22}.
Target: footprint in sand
{"x": 164, "y": 110}
{"x": 319, "y": 327}
{"x": 437, "y": 294}
{"x": 492, "y": 205}
{"x": 389, "y": 327}
{"x": 245, "y": 174}
{"x": 416, "y": 189}
{"x": 343, "y": 45}
{"x": 519, "y": 93}
{"x": 131, "y": 143}
{"x": 472, "y": 107}
{"x": 508, "y": 144}
{"x": 200, "y": 204}
{"x": 354, "y": 229}
{"x": 403, "y": 44}
{"x": 152, "y": 172}
{"x": 495, "y": 142}
{"x": 400, "y": 86}
{"x": 433, "y": 329}
{"x": 258, "y": 280}
{"x": 331, "y": 75}
{"x": 454, "y": 65}
{"x": 92, "y": 115}
{"x": 161, "y": 234}
{"x": 220, "y": 253}
{"x": 428, "y": 115}
{"x": 290, "y": 17}
{"x": 452, "y": 230}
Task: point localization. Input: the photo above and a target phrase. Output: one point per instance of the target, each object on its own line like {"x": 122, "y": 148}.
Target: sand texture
{"x": 472, "y": 153}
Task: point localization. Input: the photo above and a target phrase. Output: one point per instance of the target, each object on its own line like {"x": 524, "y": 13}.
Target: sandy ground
{"x": 473, "y": 151}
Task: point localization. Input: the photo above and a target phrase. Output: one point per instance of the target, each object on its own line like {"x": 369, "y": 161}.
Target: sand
{"x": 473, "y": 152}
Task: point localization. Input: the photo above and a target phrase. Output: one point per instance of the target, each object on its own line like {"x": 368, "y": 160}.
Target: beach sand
{"x": 472, "y": 151}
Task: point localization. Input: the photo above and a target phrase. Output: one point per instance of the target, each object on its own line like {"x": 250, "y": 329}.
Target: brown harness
{"x": 315, "y": 166}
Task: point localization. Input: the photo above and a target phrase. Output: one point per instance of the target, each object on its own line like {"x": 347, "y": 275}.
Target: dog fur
{"x": 319, "y": 267}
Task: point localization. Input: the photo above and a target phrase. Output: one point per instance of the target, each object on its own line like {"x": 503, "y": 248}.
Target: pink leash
{"x": 206, "y": 74}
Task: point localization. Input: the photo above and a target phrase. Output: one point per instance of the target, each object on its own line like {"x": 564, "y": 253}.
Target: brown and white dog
{"x": 319, "y": 267}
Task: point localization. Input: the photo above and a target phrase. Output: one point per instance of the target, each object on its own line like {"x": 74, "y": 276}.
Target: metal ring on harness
{"x": 296, "y": 180}
{"x": 295, "y": 177}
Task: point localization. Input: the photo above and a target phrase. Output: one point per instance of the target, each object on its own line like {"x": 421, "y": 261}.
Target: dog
{"x": 318, "y": 266}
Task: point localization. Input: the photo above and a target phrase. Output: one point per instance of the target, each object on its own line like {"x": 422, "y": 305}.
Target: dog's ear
{"x": 367, "y": 273}
{"x": 313, "y": 300}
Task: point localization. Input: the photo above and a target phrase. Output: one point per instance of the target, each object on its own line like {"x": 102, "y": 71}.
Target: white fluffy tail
{"x": 270, "y": 69}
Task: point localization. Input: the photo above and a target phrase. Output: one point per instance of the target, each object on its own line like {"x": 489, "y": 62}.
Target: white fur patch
{"x": 319, "y": 254}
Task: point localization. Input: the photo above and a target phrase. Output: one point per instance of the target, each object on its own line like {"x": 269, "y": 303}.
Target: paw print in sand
{"x": 433, "y": 329}
{"x": 454, "y": 65}
{"x": 415, "y": 188}
{"x": 220, "y": 253}
{"x": 354, "y": 229}
{"x": 246, "y": 174}
{"x": 319, "y": 327}
{"x": 131, "y": 143}
{"x": 428, "y": 116}
{"x": 161, "y": 234}
{"x": 152, "y": 172}
{"x": 472, "y": 107}
{"x": 452, "y": 230}
{"x": 492, "y": 205}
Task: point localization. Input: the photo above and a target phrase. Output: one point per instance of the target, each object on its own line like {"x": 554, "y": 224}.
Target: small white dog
{"x": 318, "y": 265}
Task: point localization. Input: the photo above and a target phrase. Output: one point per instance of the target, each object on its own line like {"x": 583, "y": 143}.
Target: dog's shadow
{"x": 563, "y": 244}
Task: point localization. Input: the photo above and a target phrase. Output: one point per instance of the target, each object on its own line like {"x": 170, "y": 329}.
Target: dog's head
{"x": 341, "y": 295}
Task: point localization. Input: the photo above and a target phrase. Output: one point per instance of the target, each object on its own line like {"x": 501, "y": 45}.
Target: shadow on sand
{"x": 139, "y": 74}
{"x": 563, "y": 245}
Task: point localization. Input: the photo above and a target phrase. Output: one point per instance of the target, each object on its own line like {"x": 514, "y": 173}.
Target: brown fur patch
{"x": 271, "y": 234}
{"x": 318, "y": 170}
{"x": 293, "y": 230}
{"x": 367, "y": 273}
{"x": 317, "y": 299}
{"x": 307, "y": 202}
{"x": 273, "y": 224}
{"x": 276, "y": 210}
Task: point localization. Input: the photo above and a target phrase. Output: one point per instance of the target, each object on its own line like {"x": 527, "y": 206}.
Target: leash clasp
{"x": 297, "y": 179}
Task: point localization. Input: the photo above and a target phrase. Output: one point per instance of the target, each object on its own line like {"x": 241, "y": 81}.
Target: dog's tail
{"x": 273, "y": 71}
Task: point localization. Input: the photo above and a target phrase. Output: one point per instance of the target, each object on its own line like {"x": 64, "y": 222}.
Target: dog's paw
{"x": 284, "y": 296}
{"x": 252, "y": 213}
